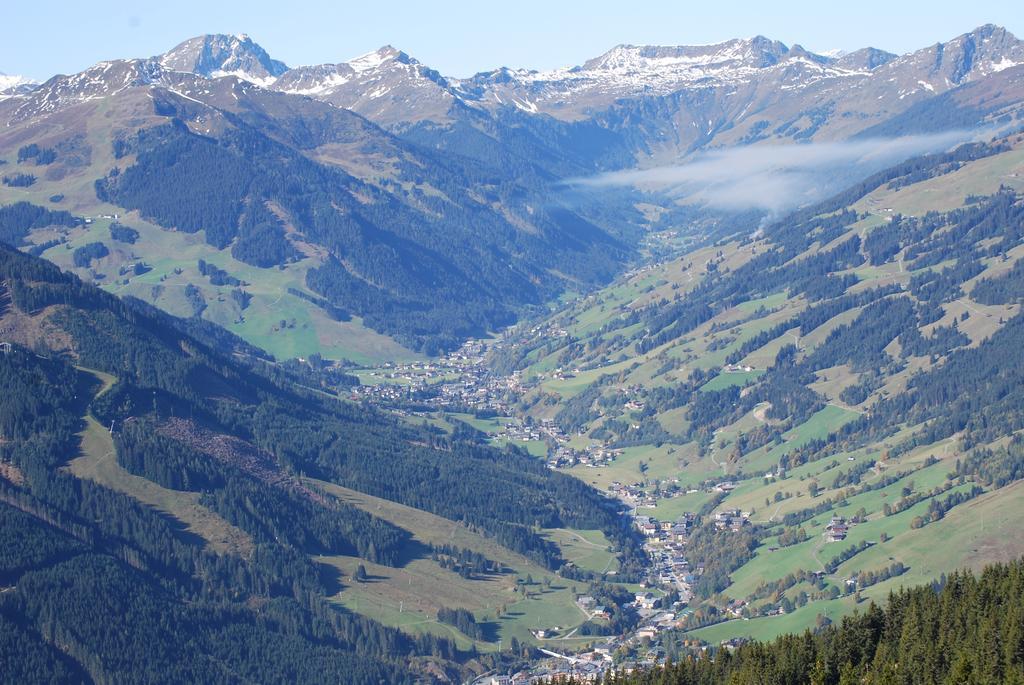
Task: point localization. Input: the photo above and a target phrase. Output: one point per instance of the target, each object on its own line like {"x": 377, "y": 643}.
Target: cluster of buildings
{"x": 593, "y": 664}
{"x": 733, "y": 519}
{"x": 641, "y": 495}
{"x": 836, "y": 529}
{"x": 665, "y": 544}
{"x": 564, "y": 456}
{"x": 459, "y": 381}
{"x": 553, "y": 670}
{"x": 462, "y": 382}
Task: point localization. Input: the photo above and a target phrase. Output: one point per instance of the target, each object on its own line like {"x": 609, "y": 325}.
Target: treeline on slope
{"x": 506, "y": 494}
{"x": 974, "y": 389}
{"x": 122, "y": 233}
{"x": 164, "y": 371}
{"x": 393, "y": 261}
{"x": 946, "y": 250}
{"x": 719, "y": 552}
{"x": 1005, "y": 289}
{"x": 18, "y": 219}
{"x": 770, "y": 272}
{"x": 986, "y": 229}
{"x": 463, "y": 621}
{"x": 467, "y": 563}
{"x": 780, "y": 269}
{"x": 961, "y": 629}
{"x": 39, "y": 155}
{"x": 268, "y": 512}
{"x": 99, "y": 558}
{"x": 978, "y": 391}
{"x": 83, "y": 256}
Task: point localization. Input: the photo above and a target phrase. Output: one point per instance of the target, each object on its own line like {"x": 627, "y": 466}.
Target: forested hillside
{"x": 356, "y": 372}
{"x": 964, "y": 628}
{"x": 375, "y": 209}
{"x": 427, "y": 246}
{"x": 231, "y": 446}
{"x": 835, "y": 401}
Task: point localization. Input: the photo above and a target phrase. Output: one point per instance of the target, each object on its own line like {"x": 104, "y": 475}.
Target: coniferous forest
{"x": 188, "y": 415}
{"x": 965, "y": 628}
{"x": 684, "y": 365}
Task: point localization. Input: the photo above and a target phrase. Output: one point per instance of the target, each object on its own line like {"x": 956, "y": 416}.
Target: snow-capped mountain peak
{"x": 14, "y": 85}
{"x": 377, "y": 59}
{"x": 380, "y": 84}
{"x": 985, "y": 50}
{"x": 753, "y": 52}
{"x": 219, "y": 55}
{"x": 8, "y": 81}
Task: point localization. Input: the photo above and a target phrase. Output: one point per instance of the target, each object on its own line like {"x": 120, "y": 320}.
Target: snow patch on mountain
{"x": 214, "y": 56}
{"x": 1003, "y": 64}
{"x": 14, "y": 85}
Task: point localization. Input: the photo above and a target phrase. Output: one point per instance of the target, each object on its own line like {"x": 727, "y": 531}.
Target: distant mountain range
{"x": 435, "y": 208}
{"x": 14, "y": 85}
{"x": 742, "y": 81}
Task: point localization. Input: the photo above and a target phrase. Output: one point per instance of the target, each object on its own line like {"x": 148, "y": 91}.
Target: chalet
{"x": 734, "y": 643}
{"x": 646, "y": 600}
{"x": 650, "y": 632}
{"x": 727, "y": 514}
{"x": 836, "y": 529}
{"x": 665, "y": 620}
{"x": 736, "y": 606}
{"x": 738, "y": 523}
{"x": 731, "y": 518}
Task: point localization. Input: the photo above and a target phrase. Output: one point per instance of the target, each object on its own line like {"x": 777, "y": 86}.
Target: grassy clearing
{"x": 948, "y": 191}
{"x": 972, "y": 534}
{"x": 536, "y": 448}
{"x": 489, "y": 426}
{"x": 167, "y": 250}
{"x": 670, "y": 509}
{"x": 173, "y": 256}
{"x": 587, "y": 549}
{"x": 728, "y": 379}
{"x": 637, "y": 464}
{"x": 979, "y": 532}
{"x": 409, "y": 597}
{"x": 98, "y": 463}
{"x": 770, "y": 627}
{"x": 827, "y": 420}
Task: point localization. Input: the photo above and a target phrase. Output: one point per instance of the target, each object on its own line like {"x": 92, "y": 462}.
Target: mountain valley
{"x": 365, "y": 373}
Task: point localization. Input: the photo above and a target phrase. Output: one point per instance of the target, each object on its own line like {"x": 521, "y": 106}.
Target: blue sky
{"x": 39, "y": 37}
